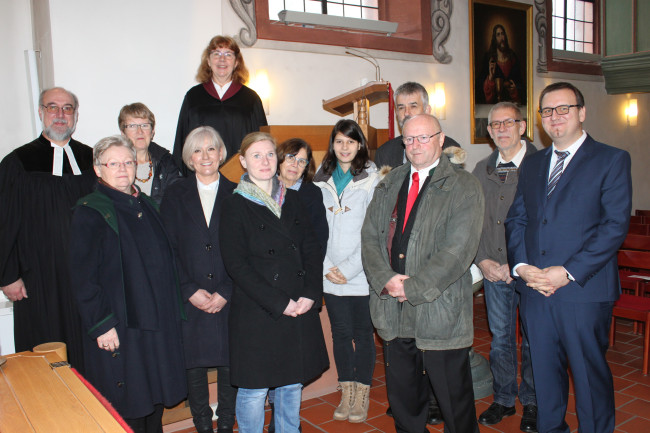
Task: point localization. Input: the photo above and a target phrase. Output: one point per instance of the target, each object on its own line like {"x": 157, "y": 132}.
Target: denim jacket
{"x": 442, "y": 244}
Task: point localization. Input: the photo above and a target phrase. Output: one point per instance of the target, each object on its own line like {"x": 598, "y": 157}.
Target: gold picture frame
{"x": 500, "y": 71}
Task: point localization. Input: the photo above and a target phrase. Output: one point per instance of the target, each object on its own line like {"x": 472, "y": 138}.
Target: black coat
{"x": 200, "y": 266}
{"x": 165, "y": 171}
{"x": 312, "y": 197}
{"x": 123, "y": 277}
{"x": 271, "y": 261}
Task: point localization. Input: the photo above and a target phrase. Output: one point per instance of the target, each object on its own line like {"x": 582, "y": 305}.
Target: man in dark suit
{"x": 411, "y": 99}
{"x": 569, "y": 217}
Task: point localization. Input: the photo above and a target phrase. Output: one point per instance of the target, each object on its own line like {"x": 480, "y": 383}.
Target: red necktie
{"x": 413, "y": 194}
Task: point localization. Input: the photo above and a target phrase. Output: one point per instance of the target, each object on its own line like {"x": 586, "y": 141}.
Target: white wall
{"x": 118, "y": 52}
{"x": 15, "y": 37}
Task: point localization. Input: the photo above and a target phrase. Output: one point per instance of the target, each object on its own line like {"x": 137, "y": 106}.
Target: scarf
{"x": 254, "y": 193}
{"x": 341, "y": 179}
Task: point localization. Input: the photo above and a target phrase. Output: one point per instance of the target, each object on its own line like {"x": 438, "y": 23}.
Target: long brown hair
{"x": 239, "y": 74}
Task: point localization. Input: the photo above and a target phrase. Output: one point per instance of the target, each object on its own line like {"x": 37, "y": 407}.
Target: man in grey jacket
{"x": 419, "y": 238}
{"x": 498, "y": 174}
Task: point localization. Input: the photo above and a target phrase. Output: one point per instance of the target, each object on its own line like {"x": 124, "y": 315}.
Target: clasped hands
{"x": 205, "y": 301}
{"x": 395, "y": 287}
{"x": 335, "y": 276}
{"x": 493, "y": 271}
{"x": 546, "y": 281}
{"x": 296, "y": 308}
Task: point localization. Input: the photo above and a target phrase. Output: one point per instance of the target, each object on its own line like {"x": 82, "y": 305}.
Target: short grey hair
{"x": 106, "y": 143}
{"x": 72, "y": 95}
{"x": 505, "y": 104}
{"x": 410, "y": 88}
{"x": 195, "y": 139}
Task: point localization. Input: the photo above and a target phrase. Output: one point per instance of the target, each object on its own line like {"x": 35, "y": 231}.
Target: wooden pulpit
{"x": 358, "y": 101}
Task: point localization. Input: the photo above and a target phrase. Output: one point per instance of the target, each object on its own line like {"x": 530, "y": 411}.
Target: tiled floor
{"x": 632, "y": 392}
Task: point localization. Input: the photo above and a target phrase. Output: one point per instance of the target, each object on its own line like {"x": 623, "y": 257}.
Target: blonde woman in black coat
{"x": 191, "y": 211}
{"x": 275, "y": 261}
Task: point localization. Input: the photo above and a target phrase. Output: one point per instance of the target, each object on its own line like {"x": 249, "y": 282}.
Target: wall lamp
{"x": 438, "y": 101}
{"x": 631, "y": 112}
{"x": 260, "y": 83}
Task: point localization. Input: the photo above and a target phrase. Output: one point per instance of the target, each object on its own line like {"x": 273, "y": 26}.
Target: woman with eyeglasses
{"x": 156, "y": 169}
{"x": 296, "y": 169}
{"x": 348, "y": 178}
{"x": 123, "y": 277}
{"x": 275, "y": 262}
{"x": 220, "y": 100}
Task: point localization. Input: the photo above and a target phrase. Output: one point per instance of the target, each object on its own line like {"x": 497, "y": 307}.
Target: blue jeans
{"x": 501, "y": 301}
{"x": 353, "y": 337}
{"x": 250, "y": 409}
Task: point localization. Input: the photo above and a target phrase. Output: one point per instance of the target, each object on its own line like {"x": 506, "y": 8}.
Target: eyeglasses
{"x": 508, "y": 123}
{"x": 114, "y": 165}
{"x": 560, "y": 110}
{"x": 54, "y": 109}
{"x": 141, "y": 126}
{"x": 292, "y": 159}
{"x": 422, "y": 139}
{"x": 228, "y": 55}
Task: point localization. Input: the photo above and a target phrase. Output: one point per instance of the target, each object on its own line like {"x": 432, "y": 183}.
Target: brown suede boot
{"x": 347, "y": 400}
{"x": 359, "y": 410}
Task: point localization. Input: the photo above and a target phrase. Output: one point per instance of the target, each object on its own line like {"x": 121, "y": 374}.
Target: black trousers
{"x": 151, "y": 423}
{"x": 199, "y": 398}
{"x": 409, "y": 374}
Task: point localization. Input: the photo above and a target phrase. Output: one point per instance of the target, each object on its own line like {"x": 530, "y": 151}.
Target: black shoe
{"x": 435, "y": 416}
{"x": 495, "y": 413}
{"x": 389, "y": 412}
{"x": 224, "y": 430}
{"x": 529, "y": 419}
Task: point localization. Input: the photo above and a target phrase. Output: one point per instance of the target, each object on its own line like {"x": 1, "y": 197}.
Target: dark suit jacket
{"x": 205, "y": 336}
{"x": 391, "y": 153}
{"x": 580, "y": 226}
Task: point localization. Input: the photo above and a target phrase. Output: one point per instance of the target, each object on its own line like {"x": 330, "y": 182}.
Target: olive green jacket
{"x": 442, "y": 245}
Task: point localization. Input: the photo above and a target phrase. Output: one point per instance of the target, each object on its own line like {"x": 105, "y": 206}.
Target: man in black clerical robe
{"x": 39, "y": 184}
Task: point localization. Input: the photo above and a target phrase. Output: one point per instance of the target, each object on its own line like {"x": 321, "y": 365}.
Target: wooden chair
{"x": 639, "y": 229}
{"x": 634, "y": 261}
{"x": 638, "y": 219}
{"x": 634, "y": 308}
{"x": 636, "y": 242}
{"x": 642, "y": 212}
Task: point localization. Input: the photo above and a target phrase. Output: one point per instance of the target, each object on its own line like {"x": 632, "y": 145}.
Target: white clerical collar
{"x": 212, "y": 186}
{"x": 518, "y": 157}
{"x": 221, "y": 90}
{"x": 57, "y": 161}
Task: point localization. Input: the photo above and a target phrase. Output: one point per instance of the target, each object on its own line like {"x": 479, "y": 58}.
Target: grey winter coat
{"x": 442, "y": 245}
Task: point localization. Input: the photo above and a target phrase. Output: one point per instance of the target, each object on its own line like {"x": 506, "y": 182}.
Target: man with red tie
{"x": 569, "y": 217}
{"x": 419, "y": 238}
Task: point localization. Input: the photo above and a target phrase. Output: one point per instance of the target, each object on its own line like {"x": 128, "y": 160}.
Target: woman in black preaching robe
{"x": 221, "y": 100}
{"x": 123, "y": 277}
